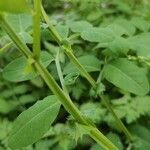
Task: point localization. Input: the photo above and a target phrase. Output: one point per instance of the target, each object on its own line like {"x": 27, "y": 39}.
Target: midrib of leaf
{"x": 138, "y": 84}
{"x": 33, "y": 119}
{"x": 20, "y": 24}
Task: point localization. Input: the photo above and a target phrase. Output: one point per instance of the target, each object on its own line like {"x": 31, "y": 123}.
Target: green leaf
{"x": 14, "y": 6}
{"x": 130, "y": 108}
{"x": 115, "y": 139}
{"x": 127, "y": 76}
{"x": 21, "y": 24}
{"x": 79, "y": 26}
{"x": 142, "y": 142}
{"x": 17, "y": 70}
{"x": 63, "y": 30}
{"x": 5, "y": 128}
{"x": 140, "y": 44}
{"x": 93, "y": 111}
{"x": 101, "y": 35}
{"x": 71, "y": 78}
{"x": 141, "y": 24}
{"x": 121, "y": 27}
{"x": 7, "y": 106}
{"x": 141, "y": 132}
{"x": 90, "y": 66}
{"x": 33, "y": 123}
{"x": 76, "y": 130}
{"x": 119, "y": 46}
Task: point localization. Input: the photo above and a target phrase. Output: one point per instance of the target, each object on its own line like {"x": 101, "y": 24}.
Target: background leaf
{"x": 127, "y": 76}
{"x": 14, "y": 6}
{"x": 90, "y": 66}
{"x": 16, "y": 70}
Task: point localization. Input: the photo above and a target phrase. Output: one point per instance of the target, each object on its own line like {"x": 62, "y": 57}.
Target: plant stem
{"x": 57, "y": 62}
{"x": 36, "y": 29}
{"x": 81, "y": 69}
{"x": 6, "y": 47}
{"x": 21, "y": 45}
{"x": 69, "y": 52}
{"x": 65, "y": 100}
{"x": 54, "y": 32}
{"x": 118, "y": 121}
{"x": 71, "y": 108}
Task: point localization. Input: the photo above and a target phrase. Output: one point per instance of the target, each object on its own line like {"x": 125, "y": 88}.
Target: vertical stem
{"x": 36, "y": 29}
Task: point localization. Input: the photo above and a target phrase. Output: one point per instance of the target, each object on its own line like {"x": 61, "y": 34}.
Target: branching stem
{"x": 54, "y": 87}
{"x": 69, "y": 52}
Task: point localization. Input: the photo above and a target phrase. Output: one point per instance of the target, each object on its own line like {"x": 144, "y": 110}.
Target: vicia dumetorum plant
{"x": 114, "y": 55}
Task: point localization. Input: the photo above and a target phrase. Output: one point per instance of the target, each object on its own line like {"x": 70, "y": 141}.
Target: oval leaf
{"x": 89, "y": 65}
{"x": 33, "y": 123}
{"x": 16, "y": 71}
{"x": 79, "y": 26}
{"x": 101, "y": 35}
{"x": 127, "y": 76}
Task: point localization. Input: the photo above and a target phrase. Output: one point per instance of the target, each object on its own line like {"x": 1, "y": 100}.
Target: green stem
{"x": 36, "y": 29}
{"x": 5, "y": 47}
{"x": 81, "y": 69}
{"x": 68, "y": 50}
{"x": 57, "y": 62}
{"x": 72, "y": 109}
{"x": 21, "y": 45}
{"x": 65, "y": 100}
{"x": 53, "y": 31}
{"x": 118, "y": 121}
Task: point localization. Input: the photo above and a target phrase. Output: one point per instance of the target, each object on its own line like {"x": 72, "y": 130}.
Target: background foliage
{"x": 110, "y": 38}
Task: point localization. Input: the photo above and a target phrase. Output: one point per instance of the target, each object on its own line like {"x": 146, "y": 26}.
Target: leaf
{"x": 115, "y": 139}
{"x": 14, "y": 6}
{"x": 127, "y": 76}
{"x": 119, "y": 46}
{"x": 76, "y": 130}
{"x": 27, "y": 98}
{"x": 79, "y": 26}
{"x": 71, "y": 78}
{"x": 21, "y": 23}
{"x": 90, "y": 66}
{"x": 5, "y": 127}
{"x": 142, "y": 141}
{"x": 93, "y": 111}
{"x": 141, "y": 132}
{"x": 130, "y": 108}
{"x": 16, "y": 70}
{"x": 121, "y": 27}
{"x": 140, "y": 44}
{"x": 6, "y": 107}
{"x": 63, "y": 30}
{"x": 101, "y": 35}
{"x": 33, "y": 123}
{"x": 141, "y": 24}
